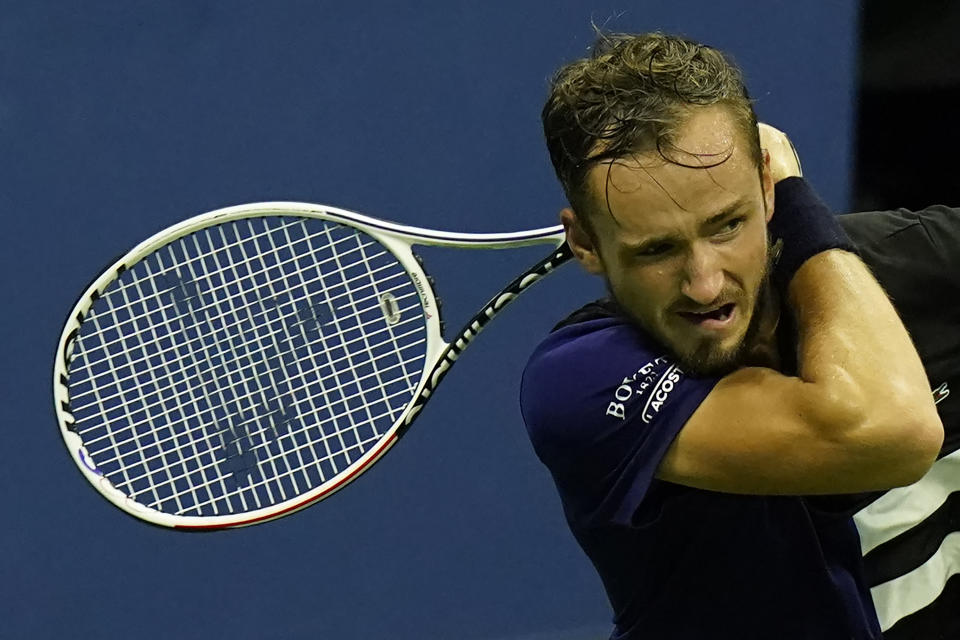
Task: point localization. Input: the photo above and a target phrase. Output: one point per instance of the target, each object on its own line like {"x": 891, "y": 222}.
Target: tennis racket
{"x": 248, "y": 362}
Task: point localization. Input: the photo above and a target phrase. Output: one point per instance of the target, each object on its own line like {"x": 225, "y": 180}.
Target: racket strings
{"x": 121, "y": 326}
{"x": 154, "y": 485}
{"x": 132, "y": 447}
{"x": 160, "y": 363}
{"x": 171, "y": 440}
{"x": 229, "y": 446}
{"x": 237, "y": 324}
{"x": 367, "y": 352}
{"x": 210, "y": 423}
{"x": 159, "y": 354}
{"x": 205, "y": 253}
{"x": 160, "y": 397}
{"x": 127, "y": 413}
{"x": 361, "y": 445}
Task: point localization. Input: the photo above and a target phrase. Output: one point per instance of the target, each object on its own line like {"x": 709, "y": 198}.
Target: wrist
{"x": 802, "y": 226}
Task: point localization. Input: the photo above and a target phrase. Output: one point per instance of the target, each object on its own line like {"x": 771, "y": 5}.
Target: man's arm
{"x": 859, "y": 416}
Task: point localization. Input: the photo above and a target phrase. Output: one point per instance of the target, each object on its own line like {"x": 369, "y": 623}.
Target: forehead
{"x": 708, "y": 169}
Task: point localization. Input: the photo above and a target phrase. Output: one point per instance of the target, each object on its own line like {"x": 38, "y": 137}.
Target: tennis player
{"x": 746, "y": 367}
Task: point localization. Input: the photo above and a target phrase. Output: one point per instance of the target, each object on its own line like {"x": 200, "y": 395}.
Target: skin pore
{"x": 684, "y": 249}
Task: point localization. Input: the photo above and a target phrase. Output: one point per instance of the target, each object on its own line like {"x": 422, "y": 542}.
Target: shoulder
{"x": 602, "y": 402}
{"x": 602, "y": 383}
{"x": 931, "y": 225}
{"x": 572, "y": 373}
{"x": 915, "y": 255}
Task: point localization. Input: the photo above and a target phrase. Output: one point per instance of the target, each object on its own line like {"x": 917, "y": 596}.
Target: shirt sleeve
{"x": 602, "y": 403}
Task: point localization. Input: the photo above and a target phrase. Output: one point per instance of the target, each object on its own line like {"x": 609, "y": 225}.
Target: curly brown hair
{"x": 632, "y": 95}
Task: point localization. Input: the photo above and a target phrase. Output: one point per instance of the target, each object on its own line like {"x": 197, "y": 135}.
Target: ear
{"x": 581, "y": 242}
{"x": 766, "y": 183}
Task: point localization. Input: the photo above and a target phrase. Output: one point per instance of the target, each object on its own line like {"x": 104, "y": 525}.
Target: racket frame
{"x": 439, "y": 356}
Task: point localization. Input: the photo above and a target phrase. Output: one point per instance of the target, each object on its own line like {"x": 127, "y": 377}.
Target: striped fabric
{"x": 911, "y": 543}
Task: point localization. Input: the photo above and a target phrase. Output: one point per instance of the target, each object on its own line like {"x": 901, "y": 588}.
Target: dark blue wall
{"x": 119, "y": 118}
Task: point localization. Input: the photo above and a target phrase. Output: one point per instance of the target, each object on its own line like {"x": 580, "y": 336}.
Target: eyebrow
{"x": 729, "y": 210}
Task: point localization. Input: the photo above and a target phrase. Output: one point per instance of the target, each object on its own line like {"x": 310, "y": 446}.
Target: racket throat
{"x": 450, "y": 355}
{"x": 476, "y": 324}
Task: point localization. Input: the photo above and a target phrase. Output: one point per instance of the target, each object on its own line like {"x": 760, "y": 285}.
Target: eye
{"x": 732, "y": 226}
{"x": 654, "y": 250}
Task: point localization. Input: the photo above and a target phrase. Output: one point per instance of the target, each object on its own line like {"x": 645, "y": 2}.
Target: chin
{"x": 698, "y": 357}
{"x": 711, "y": 358}
{"x": 715, "y": 364}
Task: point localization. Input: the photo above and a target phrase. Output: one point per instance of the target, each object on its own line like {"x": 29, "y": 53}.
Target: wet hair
{"x": 632, "y": 95}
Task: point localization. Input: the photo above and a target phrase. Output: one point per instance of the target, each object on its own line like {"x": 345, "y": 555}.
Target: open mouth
{"x": 713, "y": 318}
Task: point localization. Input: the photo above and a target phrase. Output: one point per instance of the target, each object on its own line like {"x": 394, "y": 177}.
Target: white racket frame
{"x": 440, "y": 355}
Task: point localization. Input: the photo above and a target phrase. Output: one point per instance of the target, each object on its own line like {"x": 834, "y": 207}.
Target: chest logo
{"x": 651, "y": 384}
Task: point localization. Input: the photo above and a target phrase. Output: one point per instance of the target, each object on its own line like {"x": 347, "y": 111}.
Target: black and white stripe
{"x": 911, "y": 542}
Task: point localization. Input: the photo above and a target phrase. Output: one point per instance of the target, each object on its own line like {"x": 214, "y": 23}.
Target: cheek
{"x": 646, "y": 292}
{"x": 750, "y": 254}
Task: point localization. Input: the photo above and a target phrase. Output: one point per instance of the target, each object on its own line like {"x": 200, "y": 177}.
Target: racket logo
{"x": 312, "y": 316}
{"x": 184, "y": 293}
{"x": 424, "y": 299}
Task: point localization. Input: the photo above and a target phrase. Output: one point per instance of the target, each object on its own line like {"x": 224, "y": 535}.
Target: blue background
{"x": 120, "y": 118}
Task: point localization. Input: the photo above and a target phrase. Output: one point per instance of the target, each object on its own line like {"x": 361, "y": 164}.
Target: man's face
{"x": 684, "y": 249}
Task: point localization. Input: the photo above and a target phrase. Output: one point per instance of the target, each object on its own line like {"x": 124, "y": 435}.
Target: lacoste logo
{"x": 659, "y": 395}
{"x": 941, "y": 393}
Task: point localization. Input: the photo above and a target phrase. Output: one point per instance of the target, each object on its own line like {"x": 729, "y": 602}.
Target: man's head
{"x": 655, "y": 143}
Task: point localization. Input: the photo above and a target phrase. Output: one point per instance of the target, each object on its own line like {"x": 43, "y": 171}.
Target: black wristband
{"x": 802, "y": 226}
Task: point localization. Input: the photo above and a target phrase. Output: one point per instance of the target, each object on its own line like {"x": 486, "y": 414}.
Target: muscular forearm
{"x": 854, "y": 349}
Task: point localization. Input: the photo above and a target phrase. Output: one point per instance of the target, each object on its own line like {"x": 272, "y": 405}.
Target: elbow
{"x": 920, "y": 447}
{"x": 912, "y": 440}
{"x": 891, "y": 446}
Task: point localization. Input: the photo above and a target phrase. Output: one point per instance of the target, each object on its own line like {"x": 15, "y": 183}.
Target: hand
{"x": 784, "y": 161}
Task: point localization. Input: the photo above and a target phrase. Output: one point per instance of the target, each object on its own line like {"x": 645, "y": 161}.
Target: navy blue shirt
{"x": 602, "y": 402}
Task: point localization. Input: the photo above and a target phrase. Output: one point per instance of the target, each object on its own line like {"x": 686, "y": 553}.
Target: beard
{"x": 757, "y": 347}
{"x": 709, "y": 360}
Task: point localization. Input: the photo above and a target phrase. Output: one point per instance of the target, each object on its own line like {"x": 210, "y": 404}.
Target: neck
{"x": 762, "y": 349}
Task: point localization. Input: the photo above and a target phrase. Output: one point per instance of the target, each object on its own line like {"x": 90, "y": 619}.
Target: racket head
{"x": 99, "y": 343}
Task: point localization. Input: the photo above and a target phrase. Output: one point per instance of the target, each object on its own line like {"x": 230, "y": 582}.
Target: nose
{"x": 703, "y": 274}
